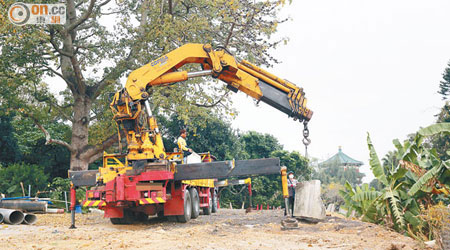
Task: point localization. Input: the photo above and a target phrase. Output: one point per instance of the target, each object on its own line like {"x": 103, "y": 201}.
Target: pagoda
{"x": 342, "y": 160}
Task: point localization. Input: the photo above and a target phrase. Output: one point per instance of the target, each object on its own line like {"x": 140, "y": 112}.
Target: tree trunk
{"x": 80, "y": 133}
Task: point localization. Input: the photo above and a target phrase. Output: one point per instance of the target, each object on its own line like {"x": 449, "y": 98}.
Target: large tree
{"x": 102, "y": 41}
{"x": 441, "y": 142}
{"x": 444, "y": 86}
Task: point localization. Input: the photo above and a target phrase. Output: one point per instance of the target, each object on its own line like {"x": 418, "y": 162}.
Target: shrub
{"x": 13, "y": 174}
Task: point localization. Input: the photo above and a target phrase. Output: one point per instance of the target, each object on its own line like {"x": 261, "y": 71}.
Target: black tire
{"x": 187, "y": 208}
{"x": 141, "y": 217}
{"x": 172, "y": 218}
{"x": 195, "y": 203}
{"x": 214, "y": 202}
{"x": 128, "y": 218}
{"x": 207, "y": 210}
{"x": 116, "y": 221}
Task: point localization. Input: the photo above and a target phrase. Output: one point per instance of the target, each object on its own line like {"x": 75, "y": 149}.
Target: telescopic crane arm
{"x": 144, "y": 139}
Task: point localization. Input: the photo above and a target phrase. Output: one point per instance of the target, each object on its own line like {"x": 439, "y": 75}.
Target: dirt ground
{"x": 227, "y": 229}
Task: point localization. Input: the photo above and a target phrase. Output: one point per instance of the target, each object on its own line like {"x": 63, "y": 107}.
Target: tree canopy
{"x": 90, "y": 56}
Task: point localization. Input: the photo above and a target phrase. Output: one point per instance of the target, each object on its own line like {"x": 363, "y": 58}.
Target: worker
{"x": 183, "y": 146}
{"x": 292, "y": 183}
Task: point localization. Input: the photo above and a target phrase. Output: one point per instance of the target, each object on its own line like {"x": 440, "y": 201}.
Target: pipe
{"x": 73, "y": 200}
{"x": 284, "y": 185}
{"x": 24, "y": 205}
{"x": 29, "y": 219}
{"x": 11, "y": 216}
{"x": 199, "y": 73}
{"x": 55, "y": 211}
{"x": 148, "y": 109}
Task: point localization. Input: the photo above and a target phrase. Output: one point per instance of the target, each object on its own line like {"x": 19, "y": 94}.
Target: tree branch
{"x": 58, "y": 74}
{"x": 55, "y": 46}
{"x": 48, "y": 138}
{"x": 229, "y": 35}
{"x": 214, "y": 104}
{"x": 92, "y": 153}
{"x": 83, "y": 18}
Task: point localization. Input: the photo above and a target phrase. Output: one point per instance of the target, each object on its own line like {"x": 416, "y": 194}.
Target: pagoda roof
{"x": 342, "y": 159}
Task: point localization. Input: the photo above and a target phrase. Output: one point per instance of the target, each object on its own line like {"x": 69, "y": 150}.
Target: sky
{"x": 365, "y": 66}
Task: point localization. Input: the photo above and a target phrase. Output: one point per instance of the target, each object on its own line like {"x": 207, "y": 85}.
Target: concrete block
{"x": 308, "y": 205}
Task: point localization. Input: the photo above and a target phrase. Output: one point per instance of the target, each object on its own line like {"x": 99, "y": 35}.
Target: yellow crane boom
{"x": 144, "y": 139}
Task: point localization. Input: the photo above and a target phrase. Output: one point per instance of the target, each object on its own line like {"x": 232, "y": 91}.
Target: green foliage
{"x": 328, "y": 174}
{"x": 266, "y": 189}
{"x": 54, "y": 158}
{"x": 211, "y": 134}
{"x": 257, "y": 145}
{"x": 361, "y": 200}
{"x": 375, "y": 164}
{"x": 418, "y": 178}
{"x": 92, "y": 57}
{"x": 9, "y": 150}
{"x": 13, "y": 174}
{"x": 295, "y": 163}
{"x": 444, "y": 86}
{"x": 441, "y": 141}
{"x": 60, "y": 185}
{"x": 424, "y": 179}
{"x": 330, "y": 193}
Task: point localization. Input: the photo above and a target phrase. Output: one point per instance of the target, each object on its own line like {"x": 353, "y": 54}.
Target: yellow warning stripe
{"x": 151, "y": 200}
{"x": 98, "y": 203}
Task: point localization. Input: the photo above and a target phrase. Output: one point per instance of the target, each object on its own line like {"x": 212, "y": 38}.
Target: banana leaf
{"x": 375, "y": 165}
{"x": 366, "y": 195}
{"x": 412, "y": 219}
{"x": 432, "y": 173}
{"x": 393, "y": 201}
{"x": 435, "y": 129}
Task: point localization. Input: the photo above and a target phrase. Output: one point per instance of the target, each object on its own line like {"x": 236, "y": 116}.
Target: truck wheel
{"x": 187, "y": 208}
{"x": 172, "y": 218}
{"x": 128, "y": 218}
{"x": 214, "y": 202}
{"x": 116, "y": 221}
{"x": 141, "y": 217}
{"x": 195, "y": 203}
{"x": 207, "y": 210}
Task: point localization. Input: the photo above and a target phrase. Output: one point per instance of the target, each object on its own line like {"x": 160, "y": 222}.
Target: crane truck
{"x": 147, "y": 179}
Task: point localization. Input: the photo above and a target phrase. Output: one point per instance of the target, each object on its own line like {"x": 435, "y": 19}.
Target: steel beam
{"x": 83, "y": 178}
{"x": 227, "y": 169}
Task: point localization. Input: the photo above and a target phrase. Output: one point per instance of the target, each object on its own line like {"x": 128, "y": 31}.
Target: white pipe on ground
{"x": 29, "y": 219}
{"x": 11, "y": 216}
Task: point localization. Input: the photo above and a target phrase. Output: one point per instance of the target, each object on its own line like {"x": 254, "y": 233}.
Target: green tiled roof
{"x": 342, "y": 159}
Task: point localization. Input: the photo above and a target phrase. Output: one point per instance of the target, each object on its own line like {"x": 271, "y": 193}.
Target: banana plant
{"x": 428, "y": 160}
{"x": 362, "y": 201}
{"x": 411, "y": 182}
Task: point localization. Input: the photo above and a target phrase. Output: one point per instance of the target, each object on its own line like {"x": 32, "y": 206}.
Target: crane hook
{"x": 306, "y": 141}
